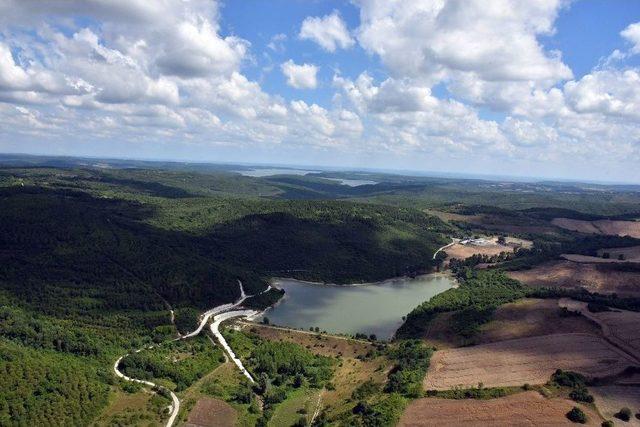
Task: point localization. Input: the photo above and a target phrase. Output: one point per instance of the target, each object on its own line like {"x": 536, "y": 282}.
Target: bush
{"x": 577, "y": 415}
{"x": 581, "y": 394}
{"x": 568, "y": 379}
{"x": 607, "y": 423}
{"x": 624, "y": 414}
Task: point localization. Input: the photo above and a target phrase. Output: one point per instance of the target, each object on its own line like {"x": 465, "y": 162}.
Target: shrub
{"x": 581, "y": 394}
{"x": 577, "y": 415}
{"x": 607, "y": 423}
{"x": 568, "y": 379}
{"x": 624, "y": 414}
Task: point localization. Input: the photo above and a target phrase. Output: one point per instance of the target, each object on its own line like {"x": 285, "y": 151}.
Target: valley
{"x": 297, "y": 300}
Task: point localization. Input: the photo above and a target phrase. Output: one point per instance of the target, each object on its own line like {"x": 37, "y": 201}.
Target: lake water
{"x": 258, "y": 173}
{"x": 353, "y": 182}
{"x": 370, "y": 309}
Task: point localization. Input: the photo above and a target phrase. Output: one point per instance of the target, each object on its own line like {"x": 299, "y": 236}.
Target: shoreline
{"x": 273, "y": 280}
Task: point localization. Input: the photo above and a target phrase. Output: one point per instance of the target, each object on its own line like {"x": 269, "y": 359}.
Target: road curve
{"x": 215, "y": 325}
{"x": 453, "y": 242}
{"x": 204, "y": 318}
{"x": 175, "y": 406}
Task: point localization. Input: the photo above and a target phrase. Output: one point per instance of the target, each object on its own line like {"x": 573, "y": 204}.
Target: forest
{"x": 91, "y": 262}
{"x": 93, "y": 258}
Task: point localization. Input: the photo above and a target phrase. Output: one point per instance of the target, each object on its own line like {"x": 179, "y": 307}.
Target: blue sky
{"x": 547, "y": 88}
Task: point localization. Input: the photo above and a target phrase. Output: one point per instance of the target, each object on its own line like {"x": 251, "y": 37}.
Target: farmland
{"x": 524, "y": 360}
{"x": 595, "y": 277}
{"x": 522, "y": 409}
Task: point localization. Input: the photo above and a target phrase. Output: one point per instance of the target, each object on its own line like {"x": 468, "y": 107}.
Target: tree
{"x": 577, "y": 415}
{"x": 624, "y": 414}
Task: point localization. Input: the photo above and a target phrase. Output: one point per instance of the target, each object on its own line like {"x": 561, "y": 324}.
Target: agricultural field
{"x": 619, "y": 326}
{"x": 524, "y": 318}
{"x": 209, "y": 412}
{"x": 603, "y": 226}
{"x": 522, "y": 409}
{"x": 524, "y": 361}
{"x": 602, "y": 278}
{"x": 611, "y": 398}
{"x": 532, "y": 317}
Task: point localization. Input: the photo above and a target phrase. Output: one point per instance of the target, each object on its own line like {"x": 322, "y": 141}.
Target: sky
{"x": 542, "y": 88}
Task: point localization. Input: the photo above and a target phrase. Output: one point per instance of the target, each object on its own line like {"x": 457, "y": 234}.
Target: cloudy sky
{"x": 544, "y": 88}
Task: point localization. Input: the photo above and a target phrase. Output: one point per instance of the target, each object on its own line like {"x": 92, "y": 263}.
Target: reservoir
{"x": 371, "y": 309}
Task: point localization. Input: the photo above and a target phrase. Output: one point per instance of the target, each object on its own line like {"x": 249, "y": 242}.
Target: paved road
{"x": 453, "y": 242}
{"x": 204, "y": 318}
{"x": 215, "y": 325}
{"x": 175, "y": 406}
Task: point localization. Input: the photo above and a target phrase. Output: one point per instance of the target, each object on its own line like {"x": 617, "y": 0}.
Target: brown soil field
{"x": 524, "y": 360}
{"x": 210, "y": 412}
{"x": 603, "y": 226}
{"x": 532, "y": 317}
{"x": 524, "y": 318}
{"x": 522, "y": 409}
{"x": 601, "y": 278}
{"x": 465, "y": 251}
{"x": 586, "y": 259}
{"x": 623, "y": 325}
{"x": 631, "y": 253}
{"x": 610, "y": 399}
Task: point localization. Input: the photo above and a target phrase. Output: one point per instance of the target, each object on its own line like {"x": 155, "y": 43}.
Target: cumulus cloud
{"x": 164, "y": 71}
{"x": 609, "y": 92}
{"x": 330, "y": 32}
{"x": 301, "y": 76}
{"x": 632, "y": 34}
{"x": 472, "y": 45}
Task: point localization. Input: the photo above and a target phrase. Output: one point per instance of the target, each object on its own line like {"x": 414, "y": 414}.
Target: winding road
{"x": 220, "y": 314}
{"x": 453, "y": 242}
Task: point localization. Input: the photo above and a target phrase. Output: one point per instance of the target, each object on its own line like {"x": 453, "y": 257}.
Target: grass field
{"x": 140, "y": 408}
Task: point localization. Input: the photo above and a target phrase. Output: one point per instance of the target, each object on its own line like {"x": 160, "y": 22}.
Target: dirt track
{"x": 525, "y": 360}
{"x": 522, "y": 409}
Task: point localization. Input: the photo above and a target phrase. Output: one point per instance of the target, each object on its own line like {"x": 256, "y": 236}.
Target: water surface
{"x": 370, "y": 309}
{"x": 353, "y": 182}
{"x": 262, "y": 172}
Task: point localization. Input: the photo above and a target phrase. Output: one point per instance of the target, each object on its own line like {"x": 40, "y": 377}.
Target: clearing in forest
{"x": 525, "y": 360}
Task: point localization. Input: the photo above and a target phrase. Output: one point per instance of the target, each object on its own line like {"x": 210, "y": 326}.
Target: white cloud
{"x": 276, "y": 43}
{"x": 632, "y": 34}
{"x": 465, "y": 41}
{"x": 609, "y": 92}
{"x": 300, "y": 76}
{"x": 330, "y": 32}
